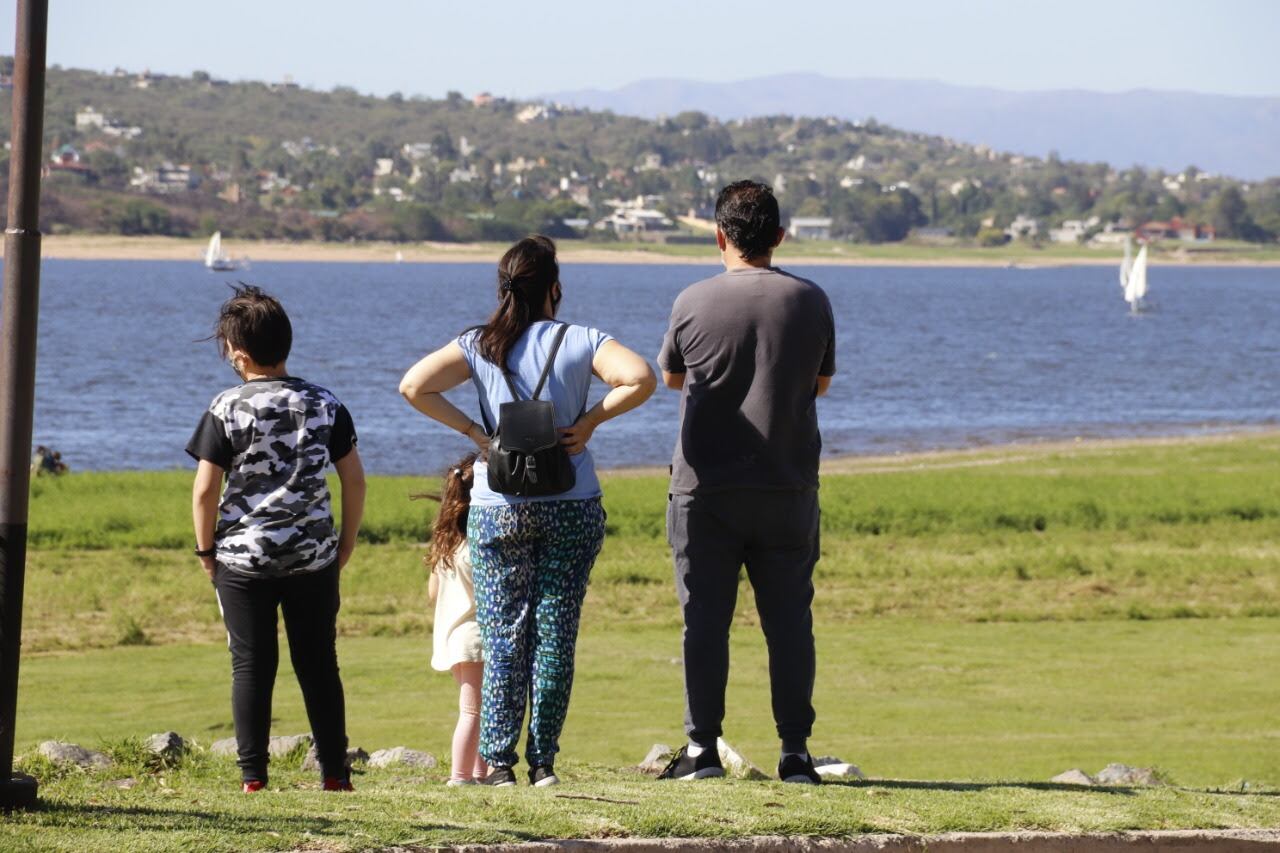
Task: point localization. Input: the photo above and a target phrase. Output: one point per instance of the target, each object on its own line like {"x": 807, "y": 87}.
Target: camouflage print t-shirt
{"x": 274, "y": 438}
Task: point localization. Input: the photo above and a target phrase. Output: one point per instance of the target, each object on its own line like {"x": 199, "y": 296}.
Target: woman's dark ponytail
{"x": 527, "y": 275}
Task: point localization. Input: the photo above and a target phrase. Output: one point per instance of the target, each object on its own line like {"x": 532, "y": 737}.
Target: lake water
{"x": 927, "y": 358}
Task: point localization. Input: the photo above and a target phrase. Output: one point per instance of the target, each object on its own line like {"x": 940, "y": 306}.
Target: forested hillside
{"x": 138, "y": 153}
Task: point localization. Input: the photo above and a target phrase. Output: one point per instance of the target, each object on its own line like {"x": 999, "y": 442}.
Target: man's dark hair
{"x": 747, "y": 213}
{"x": 255, "y": 322}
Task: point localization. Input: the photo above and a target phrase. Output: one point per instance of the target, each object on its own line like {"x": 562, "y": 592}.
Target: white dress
{"x": 457, "y": 635}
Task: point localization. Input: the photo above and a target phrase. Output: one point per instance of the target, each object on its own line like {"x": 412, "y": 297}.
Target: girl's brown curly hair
{"x": 450, "y": 528}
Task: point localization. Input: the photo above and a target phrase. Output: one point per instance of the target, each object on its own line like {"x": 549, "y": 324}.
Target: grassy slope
{"x": 992, "y": 621}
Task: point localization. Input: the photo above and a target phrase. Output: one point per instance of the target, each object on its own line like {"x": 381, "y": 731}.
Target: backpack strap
{"x": 542, "y": 380}
{"x": 551, "y": 359}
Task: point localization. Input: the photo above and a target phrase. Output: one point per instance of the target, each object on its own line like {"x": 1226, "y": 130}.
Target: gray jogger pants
{"x": 775, "y": 535}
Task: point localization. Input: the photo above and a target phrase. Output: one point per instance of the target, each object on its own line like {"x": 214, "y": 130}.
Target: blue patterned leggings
{"x": 530, "y": 564}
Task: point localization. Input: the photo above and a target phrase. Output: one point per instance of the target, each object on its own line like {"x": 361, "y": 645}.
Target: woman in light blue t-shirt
{"x": 531, "y": 557}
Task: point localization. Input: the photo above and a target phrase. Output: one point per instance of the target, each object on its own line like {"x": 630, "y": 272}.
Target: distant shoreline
{"x": 116, "y": 248}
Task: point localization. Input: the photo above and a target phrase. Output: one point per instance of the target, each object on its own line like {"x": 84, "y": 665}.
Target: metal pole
{"x": 19, "y": 304}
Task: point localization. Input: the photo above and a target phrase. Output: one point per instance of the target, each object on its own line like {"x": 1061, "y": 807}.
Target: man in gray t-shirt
{"x": 750, "y": 350}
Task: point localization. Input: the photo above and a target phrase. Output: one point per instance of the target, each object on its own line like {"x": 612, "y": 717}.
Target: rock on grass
{"x": 282, "y": 745}
{"x": 830, "y": 766}
{"x": 72, "y": 753}
{"x": 168, "y": 745}
{"x": 403, "y": 756}
{"x": 1123, "y": 774}
{"x": 656, "y": 761}
{"x": 225, "y": 746}
{"x": 736, "y": 764}
{"x": 355, "y": 756}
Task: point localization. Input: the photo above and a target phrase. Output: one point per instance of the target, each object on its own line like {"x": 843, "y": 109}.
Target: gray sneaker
{"x": 501, "y": 777}
{"x": 543, "y": 776}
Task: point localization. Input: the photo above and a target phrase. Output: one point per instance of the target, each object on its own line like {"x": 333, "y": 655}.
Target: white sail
{"x": 1136, "y": 286}
{"x": 213, "y": 254}
{"x": 1127, "y": 264}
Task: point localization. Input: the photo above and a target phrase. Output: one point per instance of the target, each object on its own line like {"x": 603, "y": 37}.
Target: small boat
{"x": 216, "y": 260}
{"x": 1133, "y": 278}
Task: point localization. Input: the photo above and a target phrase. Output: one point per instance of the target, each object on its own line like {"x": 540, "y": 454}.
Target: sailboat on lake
{"x": 217, "y": 260}
{"x": 1133, "y": 277}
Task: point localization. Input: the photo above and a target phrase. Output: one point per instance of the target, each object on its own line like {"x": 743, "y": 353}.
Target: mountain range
{"x": 1231, "y": 135}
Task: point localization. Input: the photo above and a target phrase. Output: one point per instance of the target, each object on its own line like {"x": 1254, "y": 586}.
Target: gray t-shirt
{"x": 752, "y": 344}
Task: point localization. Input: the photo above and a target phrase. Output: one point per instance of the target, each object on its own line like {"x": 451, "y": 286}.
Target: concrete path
{"x": 1180, "y": 841}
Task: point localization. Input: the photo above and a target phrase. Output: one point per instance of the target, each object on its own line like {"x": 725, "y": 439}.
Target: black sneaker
{"x": 798, "y": 769}
{"x": 543, "y": 776}
{"x": 684, "y": 766}
{"x": 500, "y": 777}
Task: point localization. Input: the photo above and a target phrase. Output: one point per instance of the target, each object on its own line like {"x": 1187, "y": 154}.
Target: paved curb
{"x": 1181, "y": 841}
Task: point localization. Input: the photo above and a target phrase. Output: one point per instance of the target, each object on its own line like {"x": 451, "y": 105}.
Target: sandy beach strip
{"x": 117, "y": 248}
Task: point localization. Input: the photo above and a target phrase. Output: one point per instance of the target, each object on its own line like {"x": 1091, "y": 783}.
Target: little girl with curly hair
{"x": 456, "y": 642}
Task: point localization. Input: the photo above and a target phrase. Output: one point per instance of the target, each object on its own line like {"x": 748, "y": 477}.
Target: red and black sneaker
{"x": 253, "y": 786}
{"x": 333, "y": 783}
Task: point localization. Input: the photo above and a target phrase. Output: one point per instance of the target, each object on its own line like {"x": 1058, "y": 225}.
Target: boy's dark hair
{"x": 747, "y": 213}
{"x": 255, "y": 322}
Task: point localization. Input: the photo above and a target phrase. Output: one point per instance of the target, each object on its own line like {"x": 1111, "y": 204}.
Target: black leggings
{"x": 310, "y": 604}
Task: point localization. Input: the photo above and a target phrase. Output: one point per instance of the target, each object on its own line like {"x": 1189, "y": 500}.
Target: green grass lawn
{"x": 988, "y": 620}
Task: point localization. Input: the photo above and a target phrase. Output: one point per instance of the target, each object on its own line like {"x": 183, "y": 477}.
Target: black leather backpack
{"x": 526, "y": 458}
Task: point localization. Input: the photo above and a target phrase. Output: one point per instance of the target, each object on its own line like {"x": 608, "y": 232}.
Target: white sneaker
{"x": 458, "y": 783}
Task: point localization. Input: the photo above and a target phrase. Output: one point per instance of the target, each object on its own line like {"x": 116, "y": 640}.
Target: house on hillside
{"x": 165, "y": 178}
{"x": 932, "y": 234}
{"x": 65, "y": 156}
{"x": 416, "y": 150}
{"x": 1022, "y": 226}
{"x": 1112, "y": 234}
{"x": 66, "y": 160}
{"x": 1175, "y": 229}
{"x": 534, "y": 112}
{"x": 484, "y": 99}
{"x": 121, "y": 131}
{"x": 636, "y": 216}
{"x": 810, "y": 227}
{"x": 1073, "y": 230}
{"x": 88, "y": 117}
{"x": 145, "y": 80}
{"x": 464, "y": 175}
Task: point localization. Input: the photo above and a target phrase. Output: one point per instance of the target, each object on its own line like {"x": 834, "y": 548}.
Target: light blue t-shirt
{"x": 567, "y": 388}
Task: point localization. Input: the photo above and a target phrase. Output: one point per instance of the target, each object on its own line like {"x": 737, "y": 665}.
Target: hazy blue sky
{"x": 525, "y": 48}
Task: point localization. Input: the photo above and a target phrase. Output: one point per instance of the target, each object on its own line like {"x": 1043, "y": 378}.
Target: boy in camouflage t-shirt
{"x": 267, "y": 539}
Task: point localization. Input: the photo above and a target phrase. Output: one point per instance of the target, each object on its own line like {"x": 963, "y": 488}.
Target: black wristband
{"x": 207, "y": 552}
